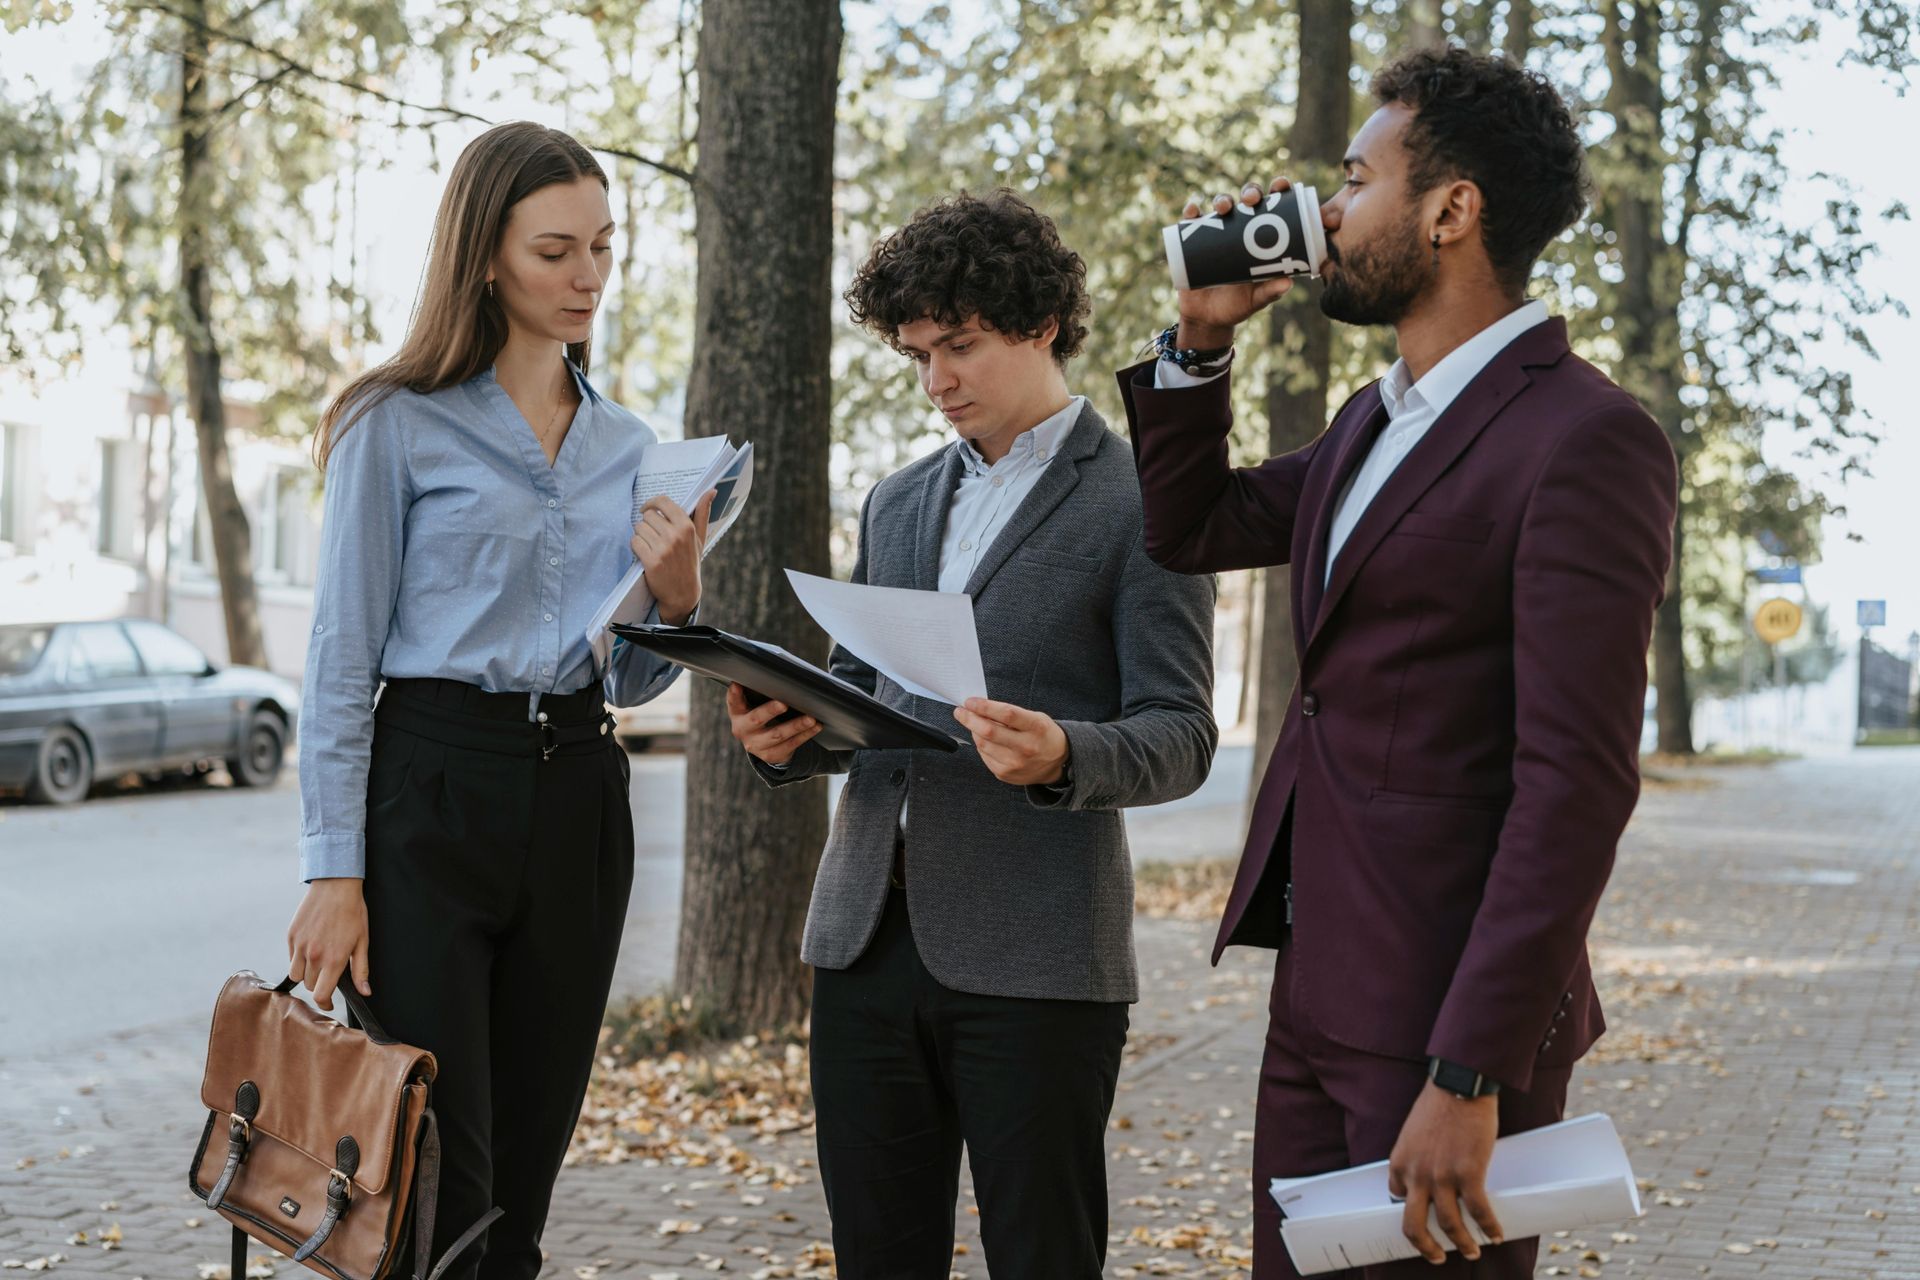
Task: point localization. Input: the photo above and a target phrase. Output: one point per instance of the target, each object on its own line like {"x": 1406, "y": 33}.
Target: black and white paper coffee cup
{"x": 1280, "y": 236}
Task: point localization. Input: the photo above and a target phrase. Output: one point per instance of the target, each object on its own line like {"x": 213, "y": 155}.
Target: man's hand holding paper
{"x": 1020, "y": 747}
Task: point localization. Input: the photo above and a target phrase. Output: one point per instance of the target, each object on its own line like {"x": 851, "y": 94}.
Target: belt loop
{"x": 533, "y": 707}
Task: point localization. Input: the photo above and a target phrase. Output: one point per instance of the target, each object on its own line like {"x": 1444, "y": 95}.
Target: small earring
{"x": 1436, "y": 252}
{"x": 490, "y": 283}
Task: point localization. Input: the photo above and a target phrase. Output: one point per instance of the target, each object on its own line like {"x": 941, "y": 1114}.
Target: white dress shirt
{"x": 1412, "y": 408}
{"x": 988, "y": 495}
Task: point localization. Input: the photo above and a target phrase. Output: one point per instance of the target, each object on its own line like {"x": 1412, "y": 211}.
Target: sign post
{"x": 1776, "y": 620}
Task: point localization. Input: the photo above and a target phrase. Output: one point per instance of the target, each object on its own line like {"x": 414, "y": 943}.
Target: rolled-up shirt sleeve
{"x": 369, "y": 488}
{"x": 635, "y": 676}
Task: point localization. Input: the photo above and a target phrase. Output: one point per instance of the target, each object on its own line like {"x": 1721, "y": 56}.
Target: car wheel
{"x": 63, "y": 771}
{"x": 261, "y": 752}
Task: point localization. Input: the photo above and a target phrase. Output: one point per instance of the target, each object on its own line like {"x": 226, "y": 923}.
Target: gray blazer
{"x": 1023, "y": 891}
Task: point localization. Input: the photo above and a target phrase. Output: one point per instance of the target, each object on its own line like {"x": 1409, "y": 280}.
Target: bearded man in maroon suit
{"x": 1478, "y": 541}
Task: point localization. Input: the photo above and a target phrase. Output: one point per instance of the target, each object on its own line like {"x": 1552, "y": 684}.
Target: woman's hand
{"x": 668, "y": 542}
{"x": 329, "y": 934}
{"x": 772, "y": 743}
{"x": 1208, "y": 316}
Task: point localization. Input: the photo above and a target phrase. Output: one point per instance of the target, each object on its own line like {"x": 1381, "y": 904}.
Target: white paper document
{"x": 1566, "y": 1176}
{"x": 923, "y": 641}
{"x": 682, "y": 470}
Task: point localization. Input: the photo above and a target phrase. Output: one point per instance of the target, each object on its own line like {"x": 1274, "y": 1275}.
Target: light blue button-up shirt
{"x": 451, "y": 549}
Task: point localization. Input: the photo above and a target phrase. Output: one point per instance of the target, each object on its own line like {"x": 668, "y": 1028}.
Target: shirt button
{"x": 552, "y": 502}
{"x": 319, "y": 628}
{"x": 1042, "y": 455}
{"x": 549, "y": 617}
{"x": 899, "y": 777}
{"x": 998, "y": 481}
{"x": 553, "y": 560}
{"x": 546, "y": 671}
{"x": 966, "y": 546}
{"x": 1309, "y": 705}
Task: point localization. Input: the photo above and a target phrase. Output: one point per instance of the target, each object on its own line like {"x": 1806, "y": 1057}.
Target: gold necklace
{"x": 552, "y": 418}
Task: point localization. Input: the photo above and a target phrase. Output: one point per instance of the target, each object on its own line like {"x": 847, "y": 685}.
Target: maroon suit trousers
{"x": 1324, "y": 1106}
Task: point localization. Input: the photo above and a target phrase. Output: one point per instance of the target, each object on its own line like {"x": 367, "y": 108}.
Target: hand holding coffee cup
{"x": 1240, "y": 257}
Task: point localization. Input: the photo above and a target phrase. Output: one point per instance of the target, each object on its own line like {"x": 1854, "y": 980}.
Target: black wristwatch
{"x": 1461, "y": 1082}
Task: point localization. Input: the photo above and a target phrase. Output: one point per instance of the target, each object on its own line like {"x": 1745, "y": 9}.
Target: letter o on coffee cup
{"x": 1261, "y": 222}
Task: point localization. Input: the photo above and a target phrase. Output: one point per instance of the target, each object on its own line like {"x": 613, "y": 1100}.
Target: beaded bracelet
{"x": 1189, "y": 359}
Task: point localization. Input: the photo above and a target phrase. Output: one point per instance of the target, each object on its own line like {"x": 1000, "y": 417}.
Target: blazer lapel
{"x": 1055, "y": 483}
{"x": 935, "y": 499}
{"x": 1476, "y": 406}
{"x": 1372, "y": 414}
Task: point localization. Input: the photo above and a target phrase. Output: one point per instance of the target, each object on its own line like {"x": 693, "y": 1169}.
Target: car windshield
{"x": 21, "y": 647}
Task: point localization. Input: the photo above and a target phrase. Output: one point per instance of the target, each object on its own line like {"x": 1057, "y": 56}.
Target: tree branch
{"x": 295, "y": 67}
{"x": 260, "y": 82}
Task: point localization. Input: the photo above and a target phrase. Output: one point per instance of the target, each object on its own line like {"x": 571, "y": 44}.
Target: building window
{"x": 119, "y": 531}
{"x": 287, "y": 550}
{"x": 9, "y": 482}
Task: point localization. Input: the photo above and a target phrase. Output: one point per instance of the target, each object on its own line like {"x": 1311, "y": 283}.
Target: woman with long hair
{"x": 467, "y": 840}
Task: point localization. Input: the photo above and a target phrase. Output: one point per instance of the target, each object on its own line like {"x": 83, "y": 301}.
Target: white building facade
{"x": 101, "y": 514}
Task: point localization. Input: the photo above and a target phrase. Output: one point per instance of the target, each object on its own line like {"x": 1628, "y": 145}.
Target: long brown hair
{"x": 457, "y": 328}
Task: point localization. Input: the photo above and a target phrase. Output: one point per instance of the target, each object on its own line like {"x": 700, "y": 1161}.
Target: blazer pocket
{"x": 1067, "y": 561}
{"x": 1453, "y": 821}
{"x": 1423, "y": 524}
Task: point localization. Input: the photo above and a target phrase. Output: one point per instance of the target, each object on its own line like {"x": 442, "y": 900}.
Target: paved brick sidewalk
{"x": 1761, "y": 959}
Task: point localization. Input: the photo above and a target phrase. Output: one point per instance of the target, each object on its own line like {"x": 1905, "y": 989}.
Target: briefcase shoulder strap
{"x": 426, "y": 1192}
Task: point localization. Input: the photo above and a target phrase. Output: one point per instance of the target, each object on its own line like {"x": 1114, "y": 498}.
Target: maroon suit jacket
{"x": 1460, "y": 754}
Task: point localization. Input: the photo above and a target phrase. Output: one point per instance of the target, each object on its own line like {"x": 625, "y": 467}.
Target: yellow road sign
{"x": 1776, "y": 620}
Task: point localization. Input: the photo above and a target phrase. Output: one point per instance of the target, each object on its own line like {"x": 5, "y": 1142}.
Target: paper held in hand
{"x": 682, "y": 470}
{"x": 1560, "y": 1178}
{"x": 923, "y": 641}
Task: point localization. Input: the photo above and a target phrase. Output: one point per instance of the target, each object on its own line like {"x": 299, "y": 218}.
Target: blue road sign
{"x": 1785, "y": 573}
{"x": 1872, "y": 613}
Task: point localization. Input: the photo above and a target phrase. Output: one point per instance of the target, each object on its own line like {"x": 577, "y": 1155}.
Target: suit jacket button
{"x": 1566, "y": 997}
{"x": 1309, "y": 705}
{"x": 899, "y": 777}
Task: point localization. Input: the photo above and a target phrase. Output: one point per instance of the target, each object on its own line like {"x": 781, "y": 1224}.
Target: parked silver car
{"x": 81, "y": 701}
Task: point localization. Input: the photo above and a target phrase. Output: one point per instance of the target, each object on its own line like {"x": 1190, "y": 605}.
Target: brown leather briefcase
{"x": 331, "y": 1150}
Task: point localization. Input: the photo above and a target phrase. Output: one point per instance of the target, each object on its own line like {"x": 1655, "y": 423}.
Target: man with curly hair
{"x": 1479, "y": 542}
{"x": 971, "y": 925}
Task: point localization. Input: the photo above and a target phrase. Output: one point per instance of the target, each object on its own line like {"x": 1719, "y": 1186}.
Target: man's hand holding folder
{"x": 757, "y": 730}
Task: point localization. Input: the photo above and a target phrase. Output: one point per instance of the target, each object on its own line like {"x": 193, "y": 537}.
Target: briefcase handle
{"x": 355, "y": 1005}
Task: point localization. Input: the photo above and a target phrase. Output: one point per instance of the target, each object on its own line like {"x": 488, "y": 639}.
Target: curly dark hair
{"x": 992, "y": 257}
{"x": 1502, "y": 128}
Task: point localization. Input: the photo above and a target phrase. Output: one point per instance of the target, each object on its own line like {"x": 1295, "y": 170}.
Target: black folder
{"x": 849, "y": 717}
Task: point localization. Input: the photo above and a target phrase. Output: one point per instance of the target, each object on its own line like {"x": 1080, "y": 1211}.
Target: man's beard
{"x": 1377, "y": 283}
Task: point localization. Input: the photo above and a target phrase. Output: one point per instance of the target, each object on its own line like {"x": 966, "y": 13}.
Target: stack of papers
{"x": 1566, "y": 1176}
{"x": 682, "y": 470}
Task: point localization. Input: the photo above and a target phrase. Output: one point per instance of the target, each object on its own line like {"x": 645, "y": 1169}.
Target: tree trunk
{"x": 232, "y": 536}
{"x": 1297, "y": 397}
{"x": 768, "y": 73}
{"x": 1519, "y": 33}
{"x": 1673, "y": 702}
{"x": 1648, "y": 318}
{"x": 1422, "y": 27}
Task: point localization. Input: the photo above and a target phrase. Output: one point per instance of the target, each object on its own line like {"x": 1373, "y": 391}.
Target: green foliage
{"x": 285, "y": 144}
{"x": 1758, "y": 273}
{"x": 46, "y": 237}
